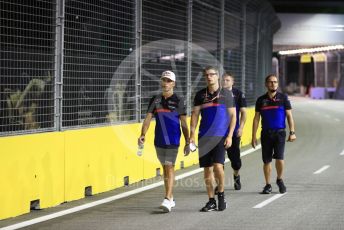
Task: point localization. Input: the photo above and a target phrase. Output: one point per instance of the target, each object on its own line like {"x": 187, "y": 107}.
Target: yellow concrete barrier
{"x": 57, "y": 167}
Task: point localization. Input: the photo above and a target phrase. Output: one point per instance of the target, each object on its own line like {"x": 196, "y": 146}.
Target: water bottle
{"x": 140, "y": 150}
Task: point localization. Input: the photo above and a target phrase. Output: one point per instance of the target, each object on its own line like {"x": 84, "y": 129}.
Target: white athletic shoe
{"x": 173, "y": 203}
{"x": 166, "y": 205}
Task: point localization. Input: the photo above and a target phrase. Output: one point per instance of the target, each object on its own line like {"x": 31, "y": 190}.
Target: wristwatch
{"x": 292, "y": 133}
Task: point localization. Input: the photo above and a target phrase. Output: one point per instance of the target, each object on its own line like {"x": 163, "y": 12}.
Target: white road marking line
{"x": 342, "y": 153}
{"x": 327, "y": 116}
{"x": 321, "y": 169}
{"x": 336, "y": 119}
{"x": 109, "y": 199}
{"x": 249, "y": 151}
{"x": 266, "y": 202}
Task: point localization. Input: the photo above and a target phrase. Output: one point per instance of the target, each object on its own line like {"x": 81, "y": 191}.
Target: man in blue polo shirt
{"x": 274, "y": 107}
{"x": 170, "y": 113}
{"x": 217, "y": 109}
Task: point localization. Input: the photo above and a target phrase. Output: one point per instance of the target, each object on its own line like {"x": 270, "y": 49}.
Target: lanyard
{"x": 216, "y": 97}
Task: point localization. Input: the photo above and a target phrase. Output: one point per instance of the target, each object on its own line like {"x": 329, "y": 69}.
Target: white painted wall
{"x": 310, "y": 29}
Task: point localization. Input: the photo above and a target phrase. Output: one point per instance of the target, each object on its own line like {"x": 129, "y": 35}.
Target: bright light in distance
{"x": 312, "y": 50}
{"x": 178, "y": 56}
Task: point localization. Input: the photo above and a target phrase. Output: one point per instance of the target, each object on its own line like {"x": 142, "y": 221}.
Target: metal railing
{"x": 73, "y": 64}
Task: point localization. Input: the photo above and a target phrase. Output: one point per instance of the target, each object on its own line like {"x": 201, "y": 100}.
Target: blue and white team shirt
{"x": 272, "y": 110}
{"x": 167, "y": 112}
{"x": 214, "y": 112}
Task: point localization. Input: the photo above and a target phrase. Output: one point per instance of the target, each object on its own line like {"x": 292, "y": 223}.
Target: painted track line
{"x": 268, "y": 201}
{"x": 321, "y": 169}
{"x": 342, "y": 153}
{"x": 109, "y": 199}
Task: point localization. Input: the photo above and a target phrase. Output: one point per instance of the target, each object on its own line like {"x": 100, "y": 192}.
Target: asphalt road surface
{"x": 314, "y": 177}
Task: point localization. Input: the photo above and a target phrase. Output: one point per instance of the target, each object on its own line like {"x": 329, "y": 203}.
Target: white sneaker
{"x": 166, "y": 205}
{"x": 173, "y": 203}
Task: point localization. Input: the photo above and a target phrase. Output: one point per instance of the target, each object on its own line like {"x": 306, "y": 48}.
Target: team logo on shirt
{"x": 171, "y": 105}
{"x": 265, "y": 103}
{"x": 157, "y": 101}
{"x": 210, "y": 99}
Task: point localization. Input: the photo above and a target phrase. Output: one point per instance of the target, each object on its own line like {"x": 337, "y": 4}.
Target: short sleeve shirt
{"x": 240, "y": 102}
{"x": 214, "y": 111}
{"x": 167, "y": 112}
{"x": 272, "y": 110}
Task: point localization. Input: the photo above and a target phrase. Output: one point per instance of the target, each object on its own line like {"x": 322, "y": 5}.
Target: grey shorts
{"x": 167, "y": 156}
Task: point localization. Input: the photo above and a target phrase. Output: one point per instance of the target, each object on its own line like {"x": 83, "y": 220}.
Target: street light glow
{"x": 312, "y": 50}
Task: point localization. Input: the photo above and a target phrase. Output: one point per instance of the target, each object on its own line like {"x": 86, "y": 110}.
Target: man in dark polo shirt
{"x": 170, "y": 113}
{"x": 233, "y": 152}
{"x": 274, "y": 107}
{"x": 217, "y": 109}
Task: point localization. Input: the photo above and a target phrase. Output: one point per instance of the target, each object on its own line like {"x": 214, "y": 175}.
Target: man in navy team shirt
{"x": 170, "y": 113}
{"x": 217, "y": 109}
{"x": 233, "y": 152}
{"x": 274, "y": 107}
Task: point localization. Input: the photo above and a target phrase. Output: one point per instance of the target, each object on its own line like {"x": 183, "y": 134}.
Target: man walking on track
{"x": 170, "y": 113}
{"x": 217, "y": 109}
{"x": 274, "y": 107}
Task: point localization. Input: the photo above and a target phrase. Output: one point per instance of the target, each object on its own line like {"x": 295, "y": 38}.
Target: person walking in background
{"x": 274, "y": 107}
{"x": 217, "y": 110}
{"x": 233, "y": 152}
{"x": 170, "y": 113}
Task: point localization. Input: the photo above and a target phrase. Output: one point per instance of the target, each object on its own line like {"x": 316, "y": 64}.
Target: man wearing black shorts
{"x": 233, "y": 152}
{"x": 274, "y": 107}
{"x": 217, "y": 110}
{"x": 170, "y": 113}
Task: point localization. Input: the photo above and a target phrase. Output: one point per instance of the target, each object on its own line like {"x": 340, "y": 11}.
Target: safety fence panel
{"x": 265, "y": 49}
{"x": 251, "y": 81}
{"x": 232, "y": 60}
{"x": 234, "y": 7}
{"x": 98, "y": 38}
{"x": 164, "y": 36}
{"x": 211, "y": 3}
{"x": 205, "y": 41}
{"x": 27, "y": 39}
{"x": 251, "y": 71}
{"x": 83, "y": 63}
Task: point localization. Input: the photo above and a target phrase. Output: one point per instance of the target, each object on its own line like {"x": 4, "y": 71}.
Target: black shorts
{"x": 211, "y": 150}
{"x": 273, "y": 142}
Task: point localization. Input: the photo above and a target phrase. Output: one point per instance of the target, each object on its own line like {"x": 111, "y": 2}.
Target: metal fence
{"x": 80, "y": 63}
{"x": 27, "y": 38}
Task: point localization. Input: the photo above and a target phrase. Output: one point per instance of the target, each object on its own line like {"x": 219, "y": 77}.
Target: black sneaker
{"x": 281, "y": 186}
{"x": 237, "y": 183}
{"x": 216, "y": 190}
{"x": 267, "y": 189}
{"x": 210, "y": 206}
{"x": 222, "y": 201}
